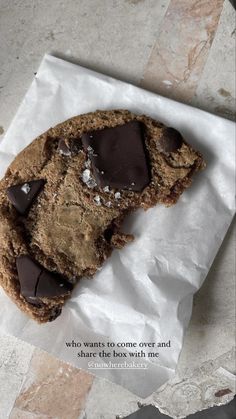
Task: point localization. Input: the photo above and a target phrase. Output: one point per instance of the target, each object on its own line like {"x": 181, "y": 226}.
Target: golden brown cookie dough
{"x": 72, "y": 223}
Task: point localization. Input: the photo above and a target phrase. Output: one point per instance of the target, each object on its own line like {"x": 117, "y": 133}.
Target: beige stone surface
{"x": 53, "y": 388}
{"x": 181, "y": 50}
{"x": 211, "y": 332}
{"x": 107, "y": 400}
{"x": 15, "y": 357}
{"x": 216, "y": 88}
{"x": 22, "y": 414}
{"x": 99, "y": 34}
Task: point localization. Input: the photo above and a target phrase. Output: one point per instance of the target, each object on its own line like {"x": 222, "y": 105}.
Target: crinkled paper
{"x": 144, "y": 292}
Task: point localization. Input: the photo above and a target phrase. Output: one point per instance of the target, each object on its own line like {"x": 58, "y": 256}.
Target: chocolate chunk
{"x": 118, "y": 156}
{"x": 36, "y": 302}
{"x": 52, "y": 285}
{"x": 170, "y": 141}
{"x": 64, "y": 148}
{"x": 36, "y": 281}
{"x": 28, "y": 273}
{"x": 67, "y": 146}
{"x": 23, "y": 195}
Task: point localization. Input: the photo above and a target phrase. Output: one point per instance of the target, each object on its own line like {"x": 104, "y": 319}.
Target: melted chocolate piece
{"x": 52, "y": 285}
{"x": 118, "y": 156}
{"x": 170, "y": 141}
{"x": 36, "y": 281}
{"x": 23, "y": 195}
{"x": 28, "y": 273}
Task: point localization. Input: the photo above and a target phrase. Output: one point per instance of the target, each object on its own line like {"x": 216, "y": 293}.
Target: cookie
{"x": 64, "y": 197}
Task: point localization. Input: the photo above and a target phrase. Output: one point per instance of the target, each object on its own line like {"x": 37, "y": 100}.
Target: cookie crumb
{"x": 106, "y": 189}
{"x": 223, "y": 392}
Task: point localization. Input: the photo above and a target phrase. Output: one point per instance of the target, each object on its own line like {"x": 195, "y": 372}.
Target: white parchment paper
{"x": 144, "y": 292}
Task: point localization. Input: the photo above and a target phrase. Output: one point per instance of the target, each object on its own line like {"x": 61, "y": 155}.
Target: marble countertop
{"x": 183, "y": 49}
